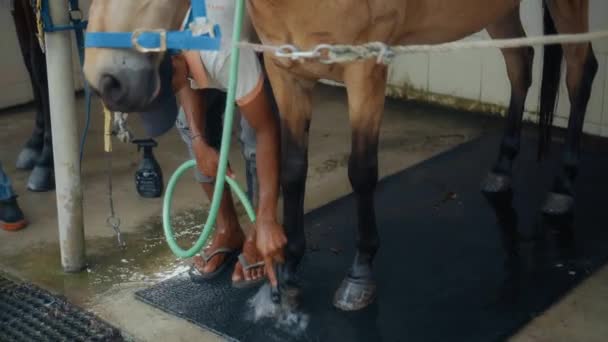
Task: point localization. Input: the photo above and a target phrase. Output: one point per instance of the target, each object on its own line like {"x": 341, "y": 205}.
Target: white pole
{"x": 65, "y": 140}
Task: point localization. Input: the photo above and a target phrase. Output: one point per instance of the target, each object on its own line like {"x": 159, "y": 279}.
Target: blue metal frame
{"x": 75, "y": 18}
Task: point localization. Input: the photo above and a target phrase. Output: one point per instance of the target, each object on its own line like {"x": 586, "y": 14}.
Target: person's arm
{"x": 193, "y": 105}
{"x": 270, "y": 234}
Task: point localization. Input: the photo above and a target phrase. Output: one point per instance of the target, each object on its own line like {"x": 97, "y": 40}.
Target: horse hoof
{"x": 496, "y": 183}
{"x": 355, "y": 294}
{"x": 275, "y": 294}
{"x": 27, "y": 158}
{"x": 558, "y": 205}
{"x": 42, "y": 179}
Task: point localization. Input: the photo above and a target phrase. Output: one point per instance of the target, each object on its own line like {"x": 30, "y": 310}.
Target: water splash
{"x": 285, "y": 315}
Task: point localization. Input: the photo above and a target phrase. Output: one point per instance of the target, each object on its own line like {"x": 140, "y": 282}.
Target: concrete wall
{"x": 474, "y": 79}
{"x": 477, "y": 79}
{"x": 15, "y": 85}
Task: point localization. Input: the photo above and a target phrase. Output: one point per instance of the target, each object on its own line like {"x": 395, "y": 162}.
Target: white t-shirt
{"x": 221, "y": 12}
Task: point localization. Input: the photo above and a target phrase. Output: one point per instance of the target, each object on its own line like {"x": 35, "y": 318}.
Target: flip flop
{"x": 199, "y": 277}
{"x": 246, "y": 284}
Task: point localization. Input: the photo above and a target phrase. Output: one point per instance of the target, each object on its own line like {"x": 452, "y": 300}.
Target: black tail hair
{"x": 552, "y": 63}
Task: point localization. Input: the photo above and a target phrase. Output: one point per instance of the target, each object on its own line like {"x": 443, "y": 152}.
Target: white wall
{"x": 15, "y": 85}
{"x": 480, "y": 75}
{"x": 477, "y": 75}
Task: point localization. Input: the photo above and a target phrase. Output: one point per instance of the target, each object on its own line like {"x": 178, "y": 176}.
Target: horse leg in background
{"x": 519, "y": 69}
{"x": 42, "y": 177}
{"x": 366, "y": 84}
{"x": 581, "y": 68}
{"x": 294, "y": 101}
{"x": 33, "y": 147}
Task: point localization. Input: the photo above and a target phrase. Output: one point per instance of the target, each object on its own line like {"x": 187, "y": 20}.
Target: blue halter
{"x": 160, "y": 40}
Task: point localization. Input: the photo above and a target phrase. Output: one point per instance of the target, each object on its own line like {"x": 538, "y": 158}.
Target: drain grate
{"x": 28, "y": 313}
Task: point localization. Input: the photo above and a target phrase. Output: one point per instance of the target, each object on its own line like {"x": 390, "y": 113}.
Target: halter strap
{"x": 161, "y": 40}
{"x": 153, "y": 40}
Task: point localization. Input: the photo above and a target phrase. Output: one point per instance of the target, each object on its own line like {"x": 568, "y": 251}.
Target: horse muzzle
{"x": 126, "y": 81}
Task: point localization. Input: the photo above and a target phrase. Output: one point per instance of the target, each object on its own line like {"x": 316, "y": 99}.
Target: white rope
{"x": 330, "y": 54}
{"x": 120, "y": 128}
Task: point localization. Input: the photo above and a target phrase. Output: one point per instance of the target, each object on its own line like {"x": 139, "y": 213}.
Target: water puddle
{"x": 286, "y": 316}
{"x": 146, "y": 260}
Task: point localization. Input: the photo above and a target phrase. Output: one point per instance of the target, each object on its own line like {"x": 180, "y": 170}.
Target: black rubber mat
{"x": 448, "y": 270}
{"x": 28, "y": 313}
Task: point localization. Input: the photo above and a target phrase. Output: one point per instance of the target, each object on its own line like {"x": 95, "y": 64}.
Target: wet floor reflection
{"x": 550, "y": 244}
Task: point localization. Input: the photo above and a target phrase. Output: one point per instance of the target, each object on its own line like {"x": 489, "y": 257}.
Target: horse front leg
{"x": 294, "y": 100}
{"x": 366, "y": 84}
{"x": 519, "y": 70}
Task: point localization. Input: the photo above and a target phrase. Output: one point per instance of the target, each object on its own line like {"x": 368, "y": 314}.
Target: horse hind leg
{"x": 519, "y": 70}
{"x": 581, "y": 68}
{"x": 42, "y": 177}
{"x": 33, "y": 146}
{"x": 365, "y": 84}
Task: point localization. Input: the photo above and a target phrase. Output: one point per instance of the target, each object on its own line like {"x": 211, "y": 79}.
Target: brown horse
{"x": 308, "y": 23}
{"x": 37, "y": 155}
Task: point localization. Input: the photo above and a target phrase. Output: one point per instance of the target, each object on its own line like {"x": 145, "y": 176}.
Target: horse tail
{"x": 550, "y": 85}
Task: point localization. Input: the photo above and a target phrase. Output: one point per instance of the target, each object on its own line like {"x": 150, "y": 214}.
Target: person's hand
{"x": 208, "y": 159}
{"x": 270, "y": 243}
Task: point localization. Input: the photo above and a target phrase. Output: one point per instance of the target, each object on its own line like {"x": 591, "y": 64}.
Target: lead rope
{"x": 39, "y": 24}
{"x": 112, "y": 221}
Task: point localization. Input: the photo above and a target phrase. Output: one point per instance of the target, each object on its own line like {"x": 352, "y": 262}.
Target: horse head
{"x": 128, "y": 80}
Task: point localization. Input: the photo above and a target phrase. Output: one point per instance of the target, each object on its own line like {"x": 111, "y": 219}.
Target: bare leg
{"x": 228, "y": 233}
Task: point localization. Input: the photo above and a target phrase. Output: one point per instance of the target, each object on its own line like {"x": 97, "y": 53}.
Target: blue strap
{"x": 79, "y": 26}
{"x": 176, "y": 40}
{"x": 199, "y": 9}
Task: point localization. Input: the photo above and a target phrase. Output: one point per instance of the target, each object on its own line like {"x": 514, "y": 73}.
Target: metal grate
{"x": 28, "y": 313}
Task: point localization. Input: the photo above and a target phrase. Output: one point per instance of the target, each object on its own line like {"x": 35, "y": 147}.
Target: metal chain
{"x": 384, "y": 54}
{"x": 113, "y": 221}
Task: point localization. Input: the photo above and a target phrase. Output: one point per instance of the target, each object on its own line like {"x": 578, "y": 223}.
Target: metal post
{"x": 65, "y": 140}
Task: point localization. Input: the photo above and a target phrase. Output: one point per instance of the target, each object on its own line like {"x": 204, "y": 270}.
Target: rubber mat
{"x": 28, "y": 313}
{"x": 452, "y": 265}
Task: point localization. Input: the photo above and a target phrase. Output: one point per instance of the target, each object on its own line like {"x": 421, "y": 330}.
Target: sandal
{"x": 199, "y": 277}
{"x": 246, "y": 284}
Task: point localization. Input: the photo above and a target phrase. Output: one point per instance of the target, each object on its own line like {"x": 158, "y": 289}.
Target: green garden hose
{"x": 223, "y": 162}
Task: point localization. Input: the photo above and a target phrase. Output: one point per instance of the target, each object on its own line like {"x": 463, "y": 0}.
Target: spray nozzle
{"x": 146, "y": 144}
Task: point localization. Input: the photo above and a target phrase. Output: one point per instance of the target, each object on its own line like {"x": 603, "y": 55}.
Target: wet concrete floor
{"x": 411, "y": 133}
